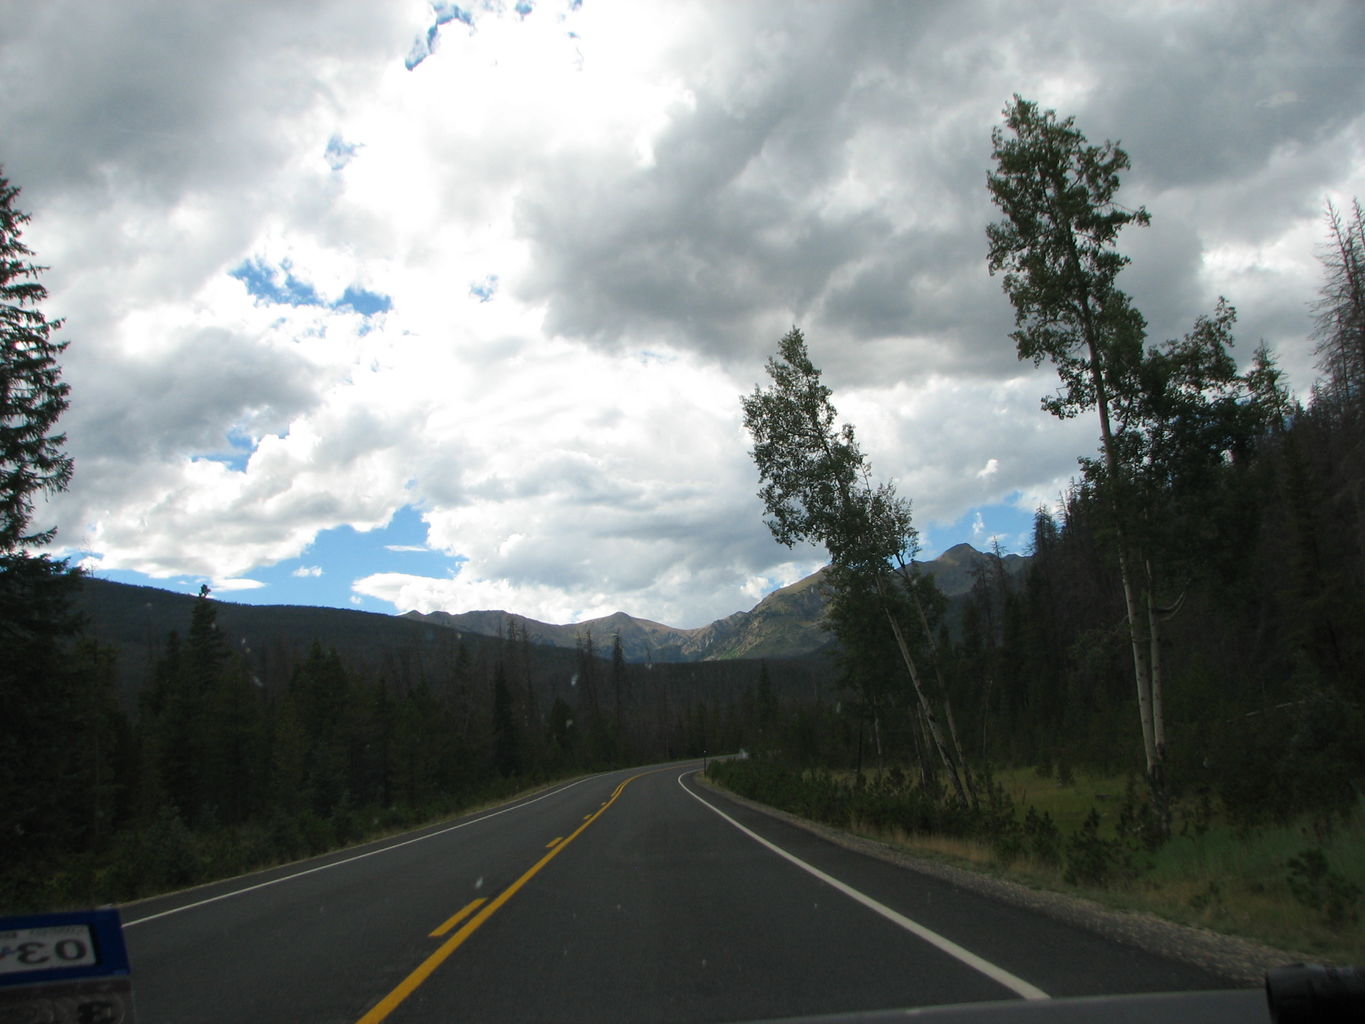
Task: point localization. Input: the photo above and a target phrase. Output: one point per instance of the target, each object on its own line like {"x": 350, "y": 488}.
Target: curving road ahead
{"x": 631, "y": 895}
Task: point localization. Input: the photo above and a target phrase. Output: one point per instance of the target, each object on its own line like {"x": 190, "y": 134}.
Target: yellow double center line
{"x": 409, "y": 984}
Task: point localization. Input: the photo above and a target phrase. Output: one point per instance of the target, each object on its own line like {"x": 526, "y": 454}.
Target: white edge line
{"x": 998, "y": 974}
{"x": 348, "y": 860}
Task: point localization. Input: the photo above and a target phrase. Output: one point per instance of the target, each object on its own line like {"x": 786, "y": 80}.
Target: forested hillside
{"x": 220, "y": 760}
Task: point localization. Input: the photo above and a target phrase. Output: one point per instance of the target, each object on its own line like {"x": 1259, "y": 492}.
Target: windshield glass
{"x": 582, "y": 509}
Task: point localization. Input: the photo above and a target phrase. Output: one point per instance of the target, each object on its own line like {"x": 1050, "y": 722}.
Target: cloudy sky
{"x": 398, "y": 305}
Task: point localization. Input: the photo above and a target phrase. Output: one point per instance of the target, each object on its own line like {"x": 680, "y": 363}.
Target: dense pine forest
{"x": 216, "y": 764}
{"x": 1263, "y": 655}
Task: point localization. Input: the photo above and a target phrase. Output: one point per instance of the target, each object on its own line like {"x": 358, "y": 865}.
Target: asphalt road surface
{"x": 631, "y": 895}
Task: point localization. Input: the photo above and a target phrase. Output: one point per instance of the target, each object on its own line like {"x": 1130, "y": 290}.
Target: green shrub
{"x": 1141, "y": 822}
{"x": 1009, "y": 844}
{"x": 1041, "y": 838}
{"x": 1210, "y": 896}
{"x": 1093, "y": 860}
{"x": 159, "y": 856}
{"x": 1315, "y": 885}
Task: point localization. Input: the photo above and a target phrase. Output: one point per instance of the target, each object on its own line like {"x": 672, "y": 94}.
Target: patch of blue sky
{"x": 339, "y": 152}
{"x": 447, "y": 12}
{"x": 523, "y": 8}
{"x": 237, "y": 453}
{"x": 323, "y": 574}
{"x": 418, "y": 52}
{"x": 484, "y": 290}
{"x": 425, "y": 43}
{"x": 235, "y": 459}
{"x": 366, "y": 303}
{"x": 1006, "y": 522}
{"x": 275, "y": 284}
{"x": 280, "y": 286}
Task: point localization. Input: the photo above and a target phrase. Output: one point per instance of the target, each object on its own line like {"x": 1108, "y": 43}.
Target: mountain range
{"x": 788, "y": 622}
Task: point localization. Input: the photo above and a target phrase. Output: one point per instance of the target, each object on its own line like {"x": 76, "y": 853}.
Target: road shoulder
{"x": 1237, "y": 959}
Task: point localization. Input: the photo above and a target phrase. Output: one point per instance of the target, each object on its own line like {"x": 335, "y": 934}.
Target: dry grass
{"x": 1221, "y": 879}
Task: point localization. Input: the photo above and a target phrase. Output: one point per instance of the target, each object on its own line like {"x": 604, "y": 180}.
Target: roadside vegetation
{"x": 1287, "y": 885}
{"x": 1166, "y": 709}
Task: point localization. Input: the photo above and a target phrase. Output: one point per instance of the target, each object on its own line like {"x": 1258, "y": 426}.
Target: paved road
{"x": 630, "y": 895}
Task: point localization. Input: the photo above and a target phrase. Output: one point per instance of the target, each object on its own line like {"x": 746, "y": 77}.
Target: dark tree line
{"x": 214, "y": 771}
{"x": 1210, "y": 503}
{"x": 1212, "y": 551}
{"x": 1266, "y": 690}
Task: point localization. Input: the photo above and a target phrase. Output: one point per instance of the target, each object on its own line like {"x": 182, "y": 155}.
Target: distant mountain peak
{"x": 787, "y": 622}
{"x": 959, "y": 551}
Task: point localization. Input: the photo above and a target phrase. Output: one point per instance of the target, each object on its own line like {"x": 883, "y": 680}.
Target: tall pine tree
{"x": 32, "y": 393}
{"x": 40, "y": 691}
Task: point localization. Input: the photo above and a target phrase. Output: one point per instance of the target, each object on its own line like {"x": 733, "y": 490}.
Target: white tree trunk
{"x": 1140, "y": 637}
{"x": 935, "y": 729}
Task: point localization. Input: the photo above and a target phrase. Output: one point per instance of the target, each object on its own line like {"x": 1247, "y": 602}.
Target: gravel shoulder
{"x": 1239, "y": 960}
